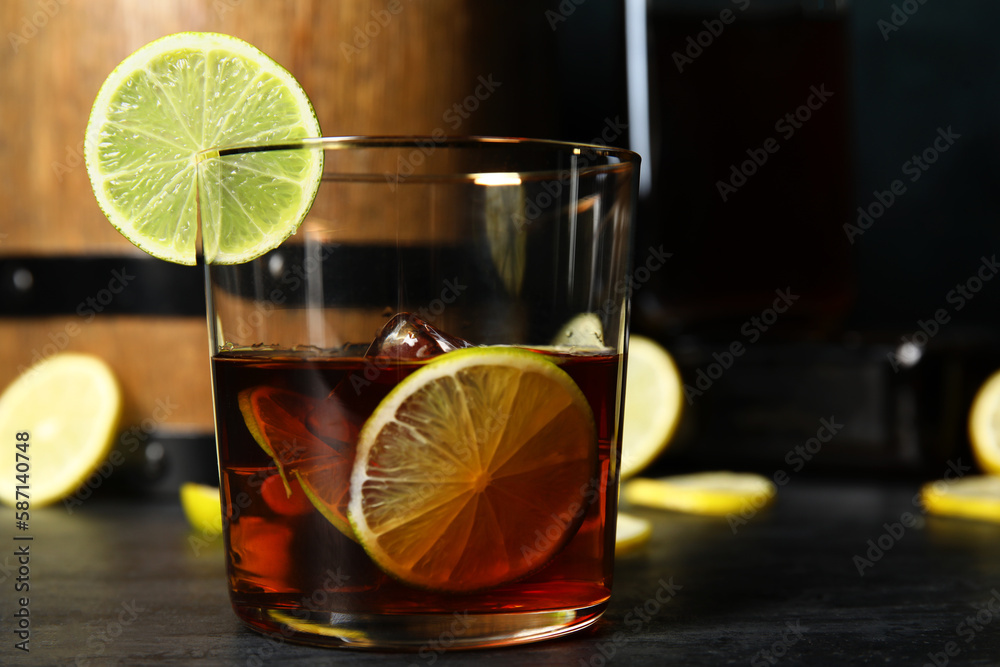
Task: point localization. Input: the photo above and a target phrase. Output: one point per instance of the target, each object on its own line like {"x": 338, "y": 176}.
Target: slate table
{"x": 835, "y": 572}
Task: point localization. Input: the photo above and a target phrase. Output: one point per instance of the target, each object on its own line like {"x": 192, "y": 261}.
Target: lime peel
{"x": 178, "y": 96}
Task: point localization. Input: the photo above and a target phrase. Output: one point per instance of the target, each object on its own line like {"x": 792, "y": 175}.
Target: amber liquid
{"x": 283, "y": 554}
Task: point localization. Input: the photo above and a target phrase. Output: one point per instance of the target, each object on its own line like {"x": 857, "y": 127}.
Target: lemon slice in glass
{"x": 69, "y": 406}
{"x": 181, "y": 95}
{"x": 973, "y": 497}
{"x": 712, "y": 493}
{"x": 653, "y": 392}
{"x": 984, "y": 425}
{"x": 466, "y": 462}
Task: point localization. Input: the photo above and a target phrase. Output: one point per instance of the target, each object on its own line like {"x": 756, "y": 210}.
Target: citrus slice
{"x": 203, "y": 507}
{"x": 653, "y": 392}
{"x": 632, "y": 532}
{"x": 68, "y": 406}
{"x": 328, "y": 487}
{"x": 984, "y": 425}
{"x": 974, "y": 497}
{"x": 713, "y": 493}
{"x": 183, "y": 94}
{"x": 318, "y": 459}
{"x": 474, "y": 470}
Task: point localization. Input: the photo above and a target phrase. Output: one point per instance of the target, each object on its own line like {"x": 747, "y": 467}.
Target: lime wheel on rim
{"x": 179, "y": 96}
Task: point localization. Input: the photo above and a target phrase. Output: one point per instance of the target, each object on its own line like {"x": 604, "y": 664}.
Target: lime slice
{"x": 69, "y": 406}
{"x": 713, "y": 493}
{"x": 466, "y": 463}
{"x": 653, "y": 392}
{"x": 632, "y": 532}
{"x": 183, "y": 94}
{"x": 984, "y": 425}
{"x": 974, "y": 497}
{"x": 202, "y": 507}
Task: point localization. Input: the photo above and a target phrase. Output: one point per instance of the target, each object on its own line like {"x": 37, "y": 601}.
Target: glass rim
{"x": 621, "y": 157}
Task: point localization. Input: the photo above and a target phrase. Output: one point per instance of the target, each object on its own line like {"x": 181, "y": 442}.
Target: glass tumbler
{"x": 418, "y": 394}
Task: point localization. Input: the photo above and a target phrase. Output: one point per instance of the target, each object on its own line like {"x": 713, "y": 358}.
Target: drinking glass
{"x": 414, "y": 248}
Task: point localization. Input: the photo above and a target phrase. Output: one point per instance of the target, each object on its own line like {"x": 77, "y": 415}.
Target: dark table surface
{"x": 833, "y": 573}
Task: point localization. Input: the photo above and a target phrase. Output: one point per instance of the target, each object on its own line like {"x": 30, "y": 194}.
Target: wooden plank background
{"x": 379, "y": 67}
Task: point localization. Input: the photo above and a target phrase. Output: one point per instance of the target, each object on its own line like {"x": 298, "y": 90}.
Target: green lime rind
{"x": 186, "y": 93}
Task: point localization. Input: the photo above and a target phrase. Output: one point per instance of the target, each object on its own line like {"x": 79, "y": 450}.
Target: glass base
{"x": 425, "y": 632}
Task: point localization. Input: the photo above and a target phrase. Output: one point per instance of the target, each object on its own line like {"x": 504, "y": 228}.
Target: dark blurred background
{"x": 896, "y": 322}
{"x": 887, "y": 328}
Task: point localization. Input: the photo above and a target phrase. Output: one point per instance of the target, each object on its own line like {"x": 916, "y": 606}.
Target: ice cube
{"x": 583, "y": 331}
{"x": 407, "y": 336}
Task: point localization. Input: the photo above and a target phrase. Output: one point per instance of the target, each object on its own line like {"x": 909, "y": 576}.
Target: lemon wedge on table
{"x": 973, "y": 497}
{"x": 183, "y": 94}
{"x": 466, "y": 462}
{"x": 203, "y": 507}
{"x": 59, "y": 419}
{"x": 632, "y": 533}
{"x": 653, "y": 405}
{"x": 711, "y": 493}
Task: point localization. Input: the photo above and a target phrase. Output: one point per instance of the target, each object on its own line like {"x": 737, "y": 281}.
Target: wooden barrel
{"x": 69, "y": 281}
